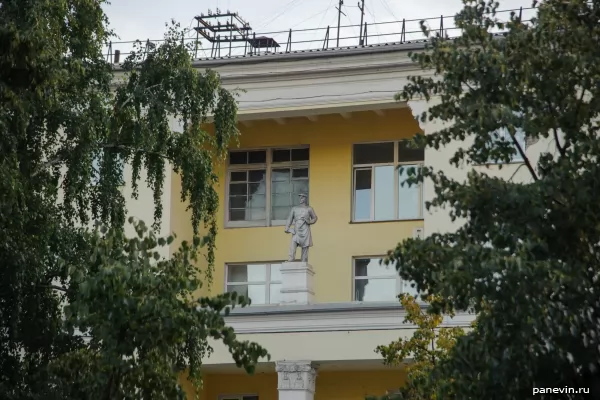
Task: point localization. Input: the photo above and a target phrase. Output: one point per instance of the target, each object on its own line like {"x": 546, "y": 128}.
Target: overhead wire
{"x": 387, "y": 7}
{"x": 322, "y": 19}
{"x": 281, "y": 11}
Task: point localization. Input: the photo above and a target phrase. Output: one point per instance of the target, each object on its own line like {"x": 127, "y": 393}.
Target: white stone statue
{"x": 298, "y": 224}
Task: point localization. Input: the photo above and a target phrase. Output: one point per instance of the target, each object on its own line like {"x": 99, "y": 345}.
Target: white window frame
{"x": 267, "y": 283}
{"x": 394, "y": 274}
{"x": 268, "y": 167}
{"x": 504, "y": 134}
{"x": 396, "y": 163}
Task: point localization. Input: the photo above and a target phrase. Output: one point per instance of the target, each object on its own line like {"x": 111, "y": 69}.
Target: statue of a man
{"x": 298, "y": 224}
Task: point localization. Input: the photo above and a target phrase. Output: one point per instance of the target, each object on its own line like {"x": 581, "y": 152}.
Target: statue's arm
{"x": 313, "y": 216}
{"x": 289, "y": 221}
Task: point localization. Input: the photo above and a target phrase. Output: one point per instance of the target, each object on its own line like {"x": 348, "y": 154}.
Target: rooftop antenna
{"x": 361, "y": 7}
{"x": 227, "y": 28}
{"x": 340, "y": 12}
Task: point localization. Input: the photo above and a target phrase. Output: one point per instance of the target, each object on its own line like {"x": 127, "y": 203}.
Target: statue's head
{"x": 302, "y": 198}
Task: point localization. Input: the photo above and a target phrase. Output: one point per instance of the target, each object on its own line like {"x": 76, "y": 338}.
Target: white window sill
{"x": 252, "y": 224}
{"x": 387, "y": 220}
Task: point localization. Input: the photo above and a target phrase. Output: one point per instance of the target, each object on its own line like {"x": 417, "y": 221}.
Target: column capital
{"x": 296, "y": 375}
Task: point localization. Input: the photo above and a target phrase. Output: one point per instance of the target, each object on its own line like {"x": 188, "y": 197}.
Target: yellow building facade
{"x": 327, "y": 125}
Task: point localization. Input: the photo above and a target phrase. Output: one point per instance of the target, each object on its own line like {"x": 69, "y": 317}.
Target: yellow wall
{"x": 330, "y": 385}
{"x": 336, "y": 240}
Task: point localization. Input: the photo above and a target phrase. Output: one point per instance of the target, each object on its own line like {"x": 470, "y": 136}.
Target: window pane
{"x": 257, "y": 201}
{"x": 375, "y": 289}
{"x": 238, "y": 176}
{"x": 247, "y": 273}
{"x": 275, "y": 293}
{"x": 256, "y": 175}
{"x": 362, "y": 194}
{"x": 238, "y": 201}
{"x": 406, "y": 153}
{"x": 371, "y": 267}
{"x": 257, "y": 157}
{"x": 281, "y": 155}
{"x": 256, "y": 214}
{"x": 384, "y": 193}
{"x": 300, "y": 154}
{"x": 237, "y": 215}
{"x": 280, "y": 213}
{"x": 371, "y": 153}
{"x": 408, "y": 196}
{"x": 280, "y": 187}
{"x": 257, "y": 188}
{"x": 275, "y": 272}
{"x": 238, "y": 189}
{"x": 238, "y": 157}
{"x": 256, "y": 293}
{"x": 300, "y": 173}
{"x": 237, "y": 273}
{"x": 281, "y": 200}
{"x": 300, "y": 186}
{"x": 280, "y": 175}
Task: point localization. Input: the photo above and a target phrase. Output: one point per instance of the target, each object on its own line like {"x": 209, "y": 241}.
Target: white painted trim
{"x": 329, "y": 321}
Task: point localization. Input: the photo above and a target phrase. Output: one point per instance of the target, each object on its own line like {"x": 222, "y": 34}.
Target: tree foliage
{"x": 429, "y": 345}
{"x": 143, "y": 320}
{"x": 525, "y": 256}
{"x": 62, "y": 106}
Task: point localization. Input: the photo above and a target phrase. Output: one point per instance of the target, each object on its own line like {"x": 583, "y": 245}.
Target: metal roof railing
{"x": 326, "y": 38}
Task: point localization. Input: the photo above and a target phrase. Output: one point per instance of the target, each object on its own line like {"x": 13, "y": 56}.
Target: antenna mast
{"x": 361, "y": 7}
{"x": 340, "y": 12}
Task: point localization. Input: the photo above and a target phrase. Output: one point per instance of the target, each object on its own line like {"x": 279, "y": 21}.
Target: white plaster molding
{"x": 351, "y": 319}
{"x": 296, "y": 375}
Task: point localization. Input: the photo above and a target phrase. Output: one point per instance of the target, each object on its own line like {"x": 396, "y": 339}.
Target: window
{"x": 502, "y": 135}
{"x": 265, "y": 180}
{"x": 378, "y": 192}
{"x": 259, "y": 282}
{"x": 238, "y": 397}
{"x": 374, "y": 281}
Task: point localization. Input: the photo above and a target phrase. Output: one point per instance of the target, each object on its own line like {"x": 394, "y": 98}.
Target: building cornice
{"x": 329, "y": 318}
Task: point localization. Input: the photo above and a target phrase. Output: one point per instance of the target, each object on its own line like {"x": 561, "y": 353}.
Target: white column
{"x": 296, "y": 283}
{"x": 296, "y": 380}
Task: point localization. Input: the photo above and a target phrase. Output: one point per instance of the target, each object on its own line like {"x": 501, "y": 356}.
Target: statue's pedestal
{"x": 297, "y": 283}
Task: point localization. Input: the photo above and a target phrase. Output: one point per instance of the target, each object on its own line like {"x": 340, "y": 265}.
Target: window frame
{"x": 236, "y": 396}
{"x": 504, "y": 134}
{"x": 268, "y": 166}
{"x": 399, "y": 281}
{"x": 267, "y": 283}
{"x": 396, "y": 163}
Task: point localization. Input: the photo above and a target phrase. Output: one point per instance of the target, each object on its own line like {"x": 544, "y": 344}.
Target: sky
{"x": 145, "y": 19}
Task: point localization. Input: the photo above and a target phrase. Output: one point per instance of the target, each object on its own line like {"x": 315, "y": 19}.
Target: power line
{"x": 287, "y": 7}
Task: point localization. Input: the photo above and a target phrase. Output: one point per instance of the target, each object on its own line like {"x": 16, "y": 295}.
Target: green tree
{"x": 525, "y": 256}
{"x": 429, "y": 345}
{"x": 145, "y": 325}
{"x": 61, "y": 107}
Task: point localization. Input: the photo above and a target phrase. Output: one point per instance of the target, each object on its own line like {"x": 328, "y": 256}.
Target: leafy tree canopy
{"x": 62, "y": 106}
{"x": 525, "y": 256}
{"x": 429, "y": 345}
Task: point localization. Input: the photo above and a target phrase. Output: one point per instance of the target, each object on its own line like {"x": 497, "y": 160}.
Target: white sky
{"x": 143, "y": 19}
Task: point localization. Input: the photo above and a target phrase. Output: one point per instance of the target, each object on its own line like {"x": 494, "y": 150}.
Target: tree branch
{"x": 59, "y": 158}
{"x": 525, "y": 159}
